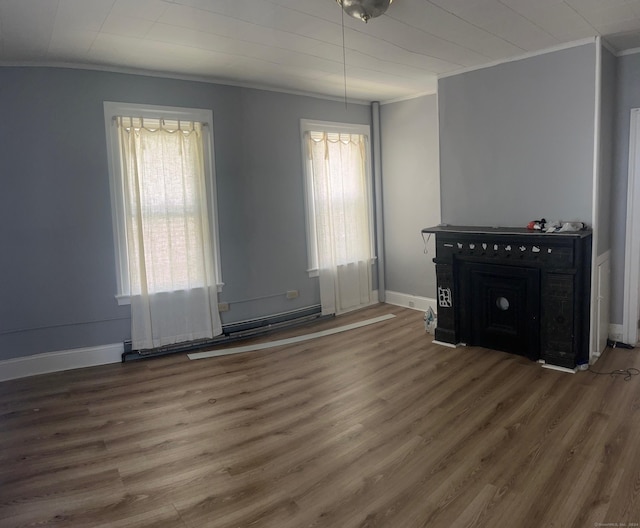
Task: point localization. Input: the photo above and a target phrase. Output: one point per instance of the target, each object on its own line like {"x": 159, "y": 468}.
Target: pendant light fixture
{"x": 364, "y": 9}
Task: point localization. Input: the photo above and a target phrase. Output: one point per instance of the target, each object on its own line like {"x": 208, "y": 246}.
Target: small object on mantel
{"x": 552, "y": 227}
{"x": 537, "y": 224}
{"x": 571, "y": 227}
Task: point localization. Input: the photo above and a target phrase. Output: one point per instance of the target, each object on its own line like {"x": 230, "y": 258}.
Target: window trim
{"x": 113, "y": 109}
{"x": 313, "y": 125}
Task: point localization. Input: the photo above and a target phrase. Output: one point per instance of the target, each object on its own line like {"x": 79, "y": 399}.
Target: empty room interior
{"x": 319, "y": 263}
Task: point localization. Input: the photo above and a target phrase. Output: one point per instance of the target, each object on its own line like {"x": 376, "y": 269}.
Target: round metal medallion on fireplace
{"x": 502, "y": 303}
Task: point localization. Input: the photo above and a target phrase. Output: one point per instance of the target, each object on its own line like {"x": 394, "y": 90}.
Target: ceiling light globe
{"x": 364, "y": 9}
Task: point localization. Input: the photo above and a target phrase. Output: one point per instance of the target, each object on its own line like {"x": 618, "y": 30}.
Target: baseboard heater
{"x": 231, "y": 332}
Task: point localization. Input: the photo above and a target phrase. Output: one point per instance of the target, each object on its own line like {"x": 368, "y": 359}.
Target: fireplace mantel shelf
{"x": 482, "y": 230}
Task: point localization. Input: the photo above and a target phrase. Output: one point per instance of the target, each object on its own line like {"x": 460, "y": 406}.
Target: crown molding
{"x": 409, "y": 97}
{"x": 179, "y": 77}
{"x": 632, "y": 51}
{"x": 528, "y": 55}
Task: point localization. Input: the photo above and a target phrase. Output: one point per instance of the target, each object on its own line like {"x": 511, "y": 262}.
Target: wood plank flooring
{"x": 375, "y": 427}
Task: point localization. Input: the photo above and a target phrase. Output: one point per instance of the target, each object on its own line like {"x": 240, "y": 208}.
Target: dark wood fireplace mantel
{"x": 513, "y": 289}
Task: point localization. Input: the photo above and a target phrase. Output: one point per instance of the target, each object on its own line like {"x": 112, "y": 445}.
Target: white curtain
{"x": 342, "y": 219}
{"x": 171, "y": 278}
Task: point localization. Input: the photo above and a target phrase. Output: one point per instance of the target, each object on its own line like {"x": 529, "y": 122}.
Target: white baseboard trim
{"x": 559, "y": 369}
{"x": 411, "y": 301}
{"x": 62, "y": 360}
{"x": 616, "y": 332}
{"x": 442, "y": 343}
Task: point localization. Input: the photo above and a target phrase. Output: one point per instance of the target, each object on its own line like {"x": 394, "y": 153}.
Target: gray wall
{"x": 607, "y": 116}
{"x": 58, "y": 265}
{"x": 411, "y": 192}
{"x": 627, "y": 98}
{"x": 516, "y": 140}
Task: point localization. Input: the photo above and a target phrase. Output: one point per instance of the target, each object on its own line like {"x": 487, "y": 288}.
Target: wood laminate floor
{"x": 376, "y": 427}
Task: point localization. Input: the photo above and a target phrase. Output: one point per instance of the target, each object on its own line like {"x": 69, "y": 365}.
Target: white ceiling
{"x": 296, "y": 45}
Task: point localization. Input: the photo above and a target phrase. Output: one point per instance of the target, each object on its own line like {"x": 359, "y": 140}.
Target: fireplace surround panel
{"x": 511, "y": 289}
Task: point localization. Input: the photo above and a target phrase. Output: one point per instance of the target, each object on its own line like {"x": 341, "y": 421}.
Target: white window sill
{"x": 315, "y": 272}
{"x": 124, "y": 300}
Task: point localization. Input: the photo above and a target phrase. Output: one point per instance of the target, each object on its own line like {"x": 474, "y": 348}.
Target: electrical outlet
{"x": 292, "y": 294}
{"x": 223, "y": 307}
{"x": 412, "y": 304}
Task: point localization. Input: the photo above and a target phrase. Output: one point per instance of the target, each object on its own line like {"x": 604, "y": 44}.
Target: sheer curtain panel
{"x": 170, "y": 259}
{"x": 342, "y": 219}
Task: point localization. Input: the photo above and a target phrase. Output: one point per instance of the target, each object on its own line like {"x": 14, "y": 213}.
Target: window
{"x": 351, "y": 168}
{"x": 162, "y": 187}
{"x": 339, "y": 212}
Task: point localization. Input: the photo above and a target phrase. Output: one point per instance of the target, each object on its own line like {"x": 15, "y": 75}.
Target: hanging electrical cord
{"x": 426, "y": 242}
{"x": 618, "y": 344}
{"x": 628, "y": 373}
{"x": 344, "y": 61}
